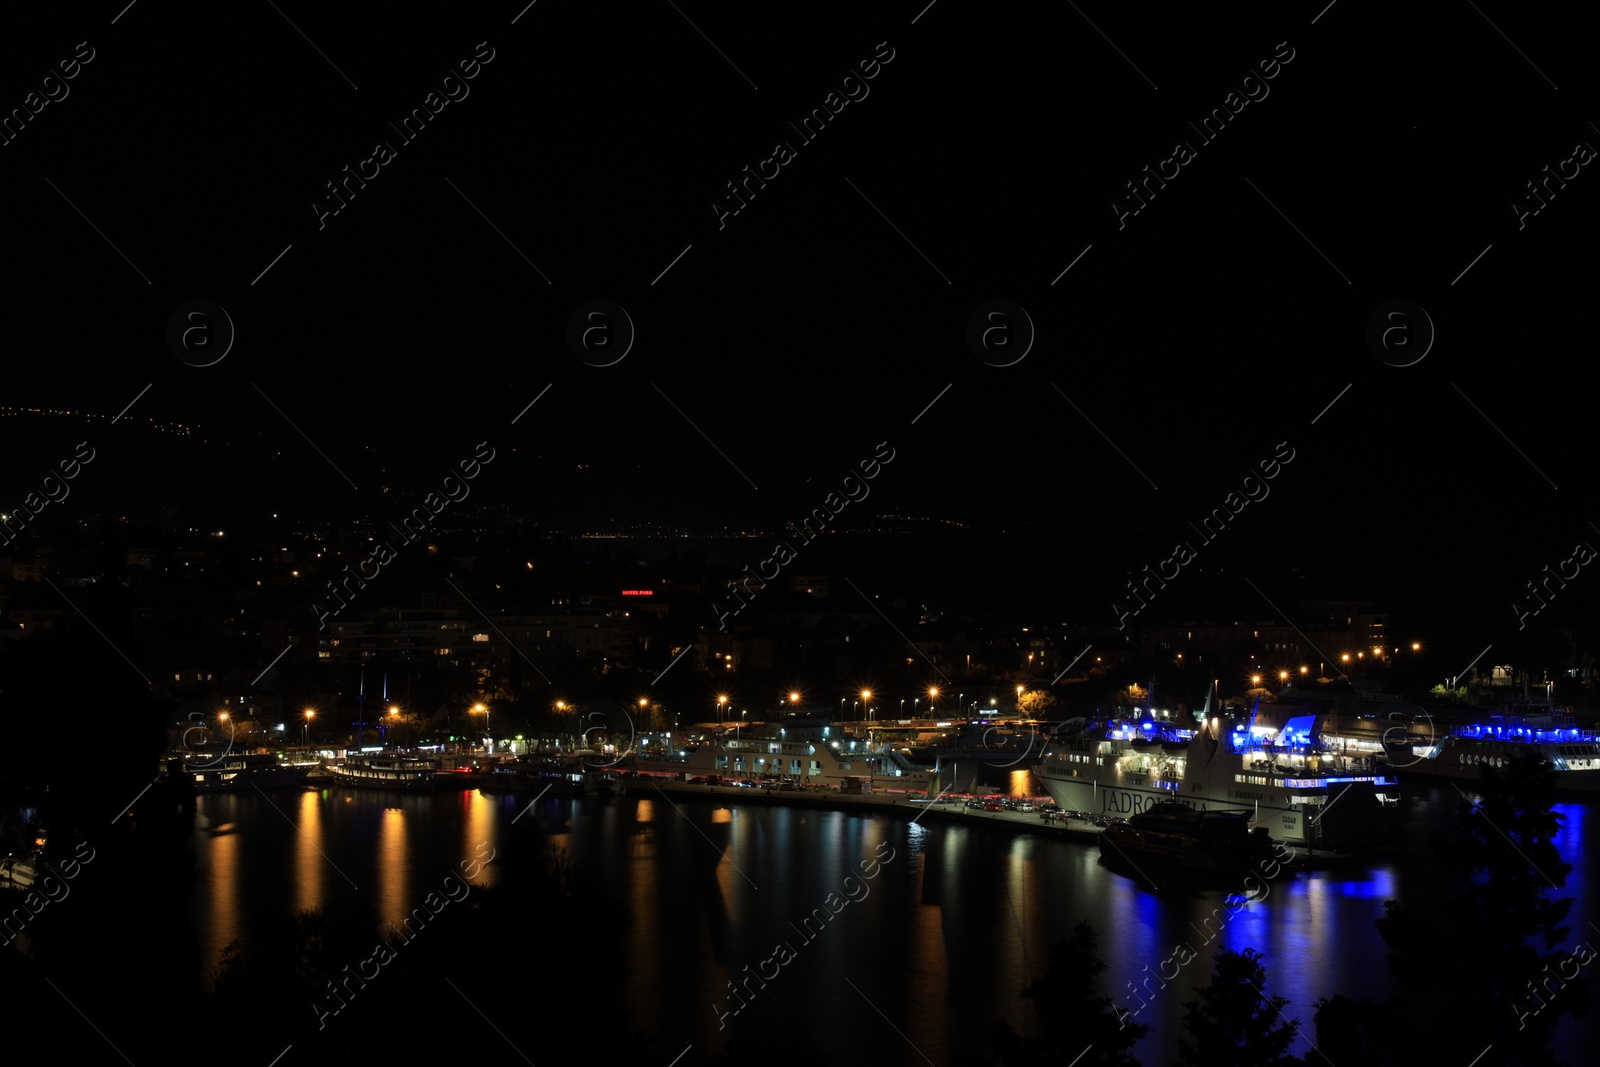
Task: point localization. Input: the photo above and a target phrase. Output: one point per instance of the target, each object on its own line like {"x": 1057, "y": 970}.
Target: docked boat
{"x": 969, "y": 756}
{"x": 230, "y": 772}
{"x": 1290, "y": 779}
{"x": 385, "y": 771}
{"x": 1432, "y": 750}
{"x": 781, "y": 757}
{"x": 1173, "y": 836}
{"x": 541, "y": 774}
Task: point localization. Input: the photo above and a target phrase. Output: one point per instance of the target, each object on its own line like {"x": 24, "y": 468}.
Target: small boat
{"x": 541, "y": 774}
{"x": 231, "y": 772}
{"x": 1174, "y": 836}
{"x": 386, "y": 771}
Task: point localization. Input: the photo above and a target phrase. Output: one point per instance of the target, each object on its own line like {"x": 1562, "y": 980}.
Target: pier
{"x": 949, "y": 810}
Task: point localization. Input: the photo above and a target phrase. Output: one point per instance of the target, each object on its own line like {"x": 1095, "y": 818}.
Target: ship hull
{"x": 278, "y": 778}
{"x": 1128, "y": 849}
{"x": 1355, "y": 820}
{"x": 1440, "y": 769}
{"x": 339, "y": 776}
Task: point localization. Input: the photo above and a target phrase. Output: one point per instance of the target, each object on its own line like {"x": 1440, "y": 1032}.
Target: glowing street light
{"x": 305, "y": 729}
{"x": 1255, "y": 679}
{"x": 722, "y": 702}
{"x": 483, "y": 709}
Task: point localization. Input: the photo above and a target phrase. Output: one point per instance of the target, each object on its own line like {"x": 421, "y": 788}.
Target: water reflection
{"x": 946, "y": 935}
{"x": 479, "y": 832}
{"x": 310, "y": 865}
{"x": 220, "y": 884}
{"x": 394, "y": 892}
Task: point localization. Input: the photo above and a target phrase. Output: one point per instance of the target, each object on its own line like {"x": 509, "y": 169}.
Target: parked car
{"x": 1025, "y": 806}
{"x": 993, "y": 806}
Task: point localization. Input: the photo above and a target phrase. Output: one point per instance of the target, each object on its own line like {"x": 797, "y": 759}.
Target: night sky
{"x": 976, "y": 164}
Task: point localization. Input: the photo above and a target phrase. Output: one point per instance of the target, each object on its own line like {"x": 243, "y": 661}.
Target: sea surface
{"x": 867, "y": 934}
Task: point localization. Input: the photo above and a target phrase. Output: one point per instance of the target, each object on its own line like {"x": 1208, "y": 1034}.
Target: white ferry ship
{"x": 1291, "y": 780}
{"x": 1433, "y": 750}
{"x": 385, "y": 771}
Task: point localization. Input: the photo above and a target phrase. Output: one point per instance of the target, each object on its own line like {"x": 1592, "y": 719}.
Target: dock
{"x": 948, "y": 811}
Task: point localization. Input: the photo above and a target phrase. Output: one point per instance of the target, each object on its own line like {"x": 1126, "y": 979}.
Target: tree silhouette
{"x": 1072, "y": 1013}
{"x": 1496, "y": 955}
{"x": 1234, "y": 1023}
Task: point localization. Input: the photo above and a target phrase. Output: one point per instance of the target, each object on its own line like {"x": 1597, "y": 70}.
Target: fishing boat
{"x": 385, "y": 771}
{"x": 1174, "y": 836}
{"x": 1289, "y": 778}
{"x": 230, "y": 772}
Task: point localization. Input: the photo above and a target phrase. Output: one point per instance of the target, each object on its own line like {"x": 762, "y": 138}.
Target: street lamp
{"x": 484, "y": 708}
{"x": 305, "y": 729}
{"x": 722, "y": 702}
